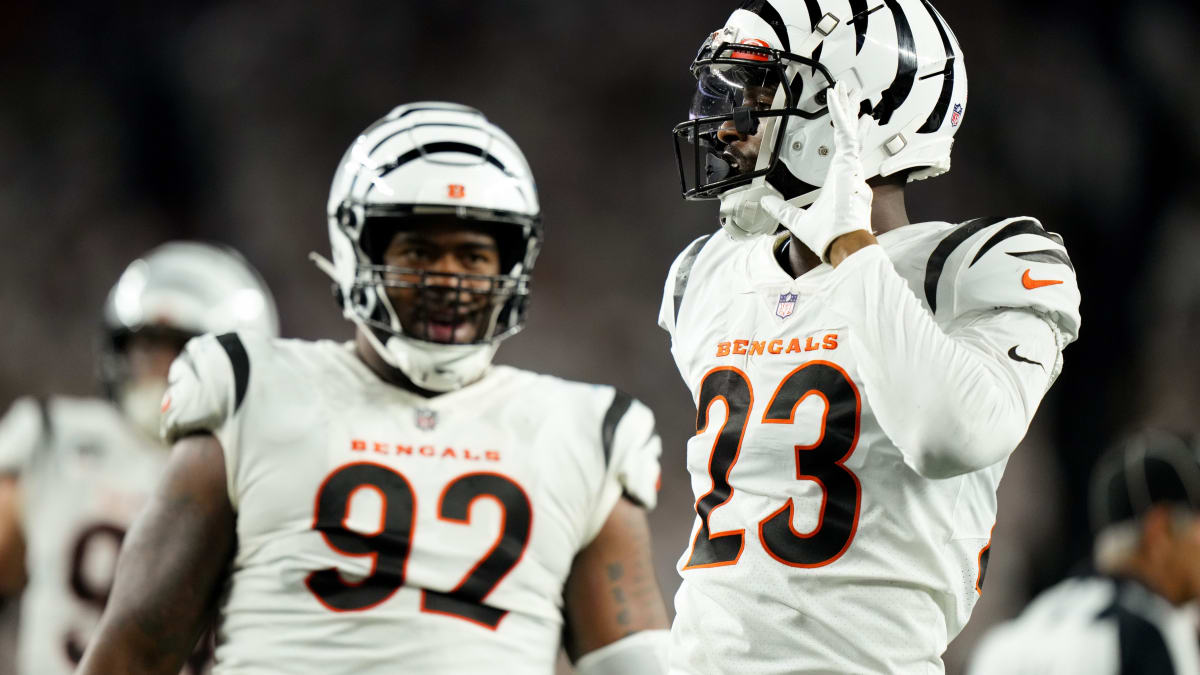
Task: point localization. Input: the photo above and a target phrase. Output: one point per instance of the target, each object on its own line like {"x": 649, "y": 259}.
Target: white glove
{"x": 844, "y": 204}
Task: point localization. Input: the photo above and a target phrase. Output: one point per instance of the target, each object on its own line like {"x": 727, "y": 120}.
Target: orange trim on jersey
{"x": 979, "y": 561}
{"x": 496, "y": 544}
{"x": 790, "y": 505}
{"x": 374, "y": 555}
{"x": 1030, "y": 283}
{"x": 695, "y": 507}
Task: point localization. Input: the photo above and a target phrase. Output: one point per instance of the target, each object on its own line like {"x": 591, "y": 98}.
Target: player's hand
{"x": 844, "y": 204}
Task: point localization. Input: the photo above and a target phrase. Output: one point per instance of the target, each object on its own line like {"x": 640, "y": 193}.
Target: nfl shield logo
{"x": 787, "y": 303}
{"x": 426, "y": 419}
{"x": 956, "y": 116}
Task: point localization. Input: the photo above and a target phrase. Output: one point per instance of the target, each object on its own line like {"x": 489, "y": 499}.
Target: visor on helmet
{"x": 737, "y": 93}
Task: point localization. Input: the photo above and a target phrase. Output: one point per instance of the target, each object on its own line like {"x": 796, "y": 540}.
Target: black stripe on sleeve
{"x": 1011, "y": 230}
{"x": 768, "y": 13}
{"x": 240, "y": 362}
{"x": 937, "y": 260}
{"x": 906, "y": 67}
{"x": 620, "y": 405}
{"x": 1049, "y": 255}
{"x": 685, "y": 271}
{"x": 938, "y": 114}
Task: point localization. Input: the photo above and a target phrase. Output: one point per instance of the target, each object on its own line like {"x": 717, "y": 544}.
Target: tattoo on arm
{"x": 612, "y": 592}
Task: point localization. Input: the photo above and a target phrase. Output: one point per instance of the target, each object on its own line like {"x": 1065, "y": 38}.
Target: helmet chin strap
{"x": 435, "y": 367}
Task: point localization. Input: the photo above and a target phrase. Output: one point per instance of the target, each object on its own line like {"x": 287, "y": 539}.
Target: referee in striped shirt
{"x": 1131, "y": 615}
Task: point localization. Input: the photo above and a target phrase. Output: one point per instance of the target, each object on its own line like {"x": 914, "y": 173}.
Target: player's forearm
{"x": 169, "y": 569}
{"x": 946, "y": 404}
{"x": 123, "y": 645}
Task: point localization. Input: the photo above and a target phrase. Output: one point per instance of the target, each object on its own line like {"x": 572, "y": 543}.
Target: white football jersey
{"x": 379, "y": 531}
{"x": 1093, "y": 626}
{"x": 85, "y": 472}
{"x": 817, "y": 547}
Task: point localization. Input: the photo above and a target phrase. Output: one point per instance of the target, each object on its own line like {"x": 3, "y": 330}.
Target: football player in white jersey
{"x": 860, "y": 381}
{"x": 77, "y": 470}
{"x": 397, "y": 503}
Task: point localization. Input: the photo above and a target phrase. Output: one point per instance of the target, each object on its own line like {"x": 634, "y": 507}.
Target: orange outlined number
{"x": 728, "y": 384}
{"x": 388, "y": 547}
{"x": 466, "y": 600}
{"x": 456, "y": 191}
{"x": 822, "y": 462}
{"x": 390, "y": 544}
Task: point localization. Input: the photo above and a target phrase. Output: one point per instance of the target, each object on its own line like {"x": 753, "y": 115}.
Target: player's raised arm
{"x": 170, "y": 566}
{"x": 616, "y": 621}
{"x": 954, "y": 396}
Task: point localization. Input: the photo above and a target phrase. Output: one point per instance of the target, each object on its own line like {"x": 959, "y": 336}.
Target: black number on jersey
{"x": 88, "y": 590}
{"x": 728, "y": 384}
{"x": 92, "y": 592}
{"x": 391, "y": 544}
{"x": 822, "y": 462}
{"x": 466, "y": 600}
{"x": 388, "y": 547}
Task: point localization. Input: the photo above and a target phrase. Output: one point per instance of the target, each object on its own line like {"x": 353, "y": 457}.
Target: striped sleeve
{"x": 631, "y": 449}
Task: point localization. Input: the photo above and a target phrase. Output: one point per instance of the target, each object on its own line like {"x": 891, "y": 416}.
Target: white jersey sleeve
{"x": 22, "y": 430}
{"x": 956, "y": 385}
{"x": 631, "y": 452}
{"x": 207, "y": 384}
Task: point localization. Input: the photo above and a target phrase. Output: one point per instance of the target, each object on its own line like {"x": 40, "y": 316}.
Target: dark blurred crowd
{"x": 225, "y": 121}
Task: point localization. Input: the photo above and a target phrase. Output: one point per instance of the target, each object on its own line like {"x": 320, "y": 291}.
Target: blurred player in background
{"x": 398, "y": 504}
{"x": 860, "y": 381}
{"x": 1137, "y": 613}
{"x": 77, "y": 470}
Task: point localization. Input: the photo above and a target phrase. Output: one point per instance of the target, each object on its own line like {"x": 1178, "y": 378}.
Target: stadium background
{"x": 225, "y": 121}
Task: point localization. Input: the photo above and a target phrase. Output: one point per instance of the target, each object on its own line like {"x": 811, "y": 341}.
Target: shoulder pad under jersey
{"x": 996, "y": 263}
{"x": 206, "y": 385}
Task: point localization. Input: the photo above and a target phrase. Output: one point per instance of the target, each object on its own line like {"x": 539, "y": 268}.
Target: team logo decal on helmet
{"x": 758, "y": 121}
{"x": 425, "y": 163}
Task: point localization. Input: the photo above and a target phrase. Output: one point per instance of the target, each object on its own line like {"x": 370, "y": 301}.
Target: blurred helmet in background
{"x": 174, "y": 292}
{"x": 432, "y": 162}
{"x": 1148, "y": 469}
{"x": 899, "y": 55}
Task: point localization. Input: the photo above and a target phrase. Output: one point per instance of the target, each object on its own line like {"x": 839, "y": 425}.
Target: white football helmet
{"x": 899, "y": 55}
{"x": 177, "y": 291}
{"x": 426, "y": 162}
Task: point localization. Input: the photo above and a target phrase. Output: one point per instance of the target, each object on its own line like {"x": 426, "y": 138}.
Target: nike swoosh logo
{"x": 1012, "y": 354}
{"x": 1031, "y": 283}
